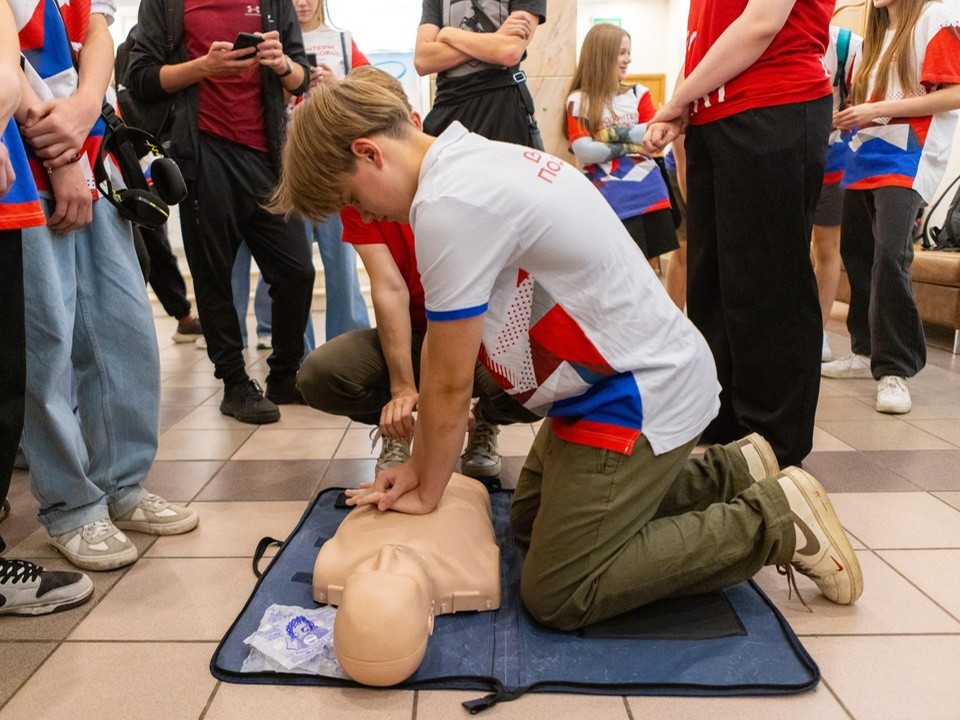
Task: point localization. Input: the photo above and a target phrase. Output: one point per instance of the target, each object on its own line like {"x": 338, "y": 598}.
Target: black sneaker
{"x": 283, "y": 390}
{"x": 245, "y": 402}
{"x": 28, "y": 589}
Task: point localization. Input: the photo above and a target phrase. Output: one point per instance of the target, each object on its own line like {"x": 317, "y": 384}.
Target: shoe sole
{"x": 253, "y": 418}
{"x": 761, "y": 460}
{"x": 178, "y": 338}
{"x": 48, "y": 608}
{"x": 159, "y": 528}
{"x": 894, "y": 409}
{"x": 826, "y": 516}
{"x": 98, "y": 564}
{"x": 846, "y": 374}
{"x": 285, "y": 401}
{"x": 484, "y": 472}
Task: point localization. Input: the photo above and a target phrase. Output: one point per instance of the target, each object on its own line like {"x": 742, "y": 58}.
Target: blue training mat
{"x": 507, "y": 653}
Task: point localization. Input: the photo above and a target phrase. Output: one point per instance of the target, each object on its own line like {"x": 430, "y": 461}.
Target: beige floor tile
{"x": 356, "y": 444}
{"x": 208, "y": 418}
{"x": 269, "y": 702}
{"x": 936, "y": 572}
{"x": 202, "y": 444}
{"x": 856, "y": 388}
{"x": 193, "y": 379}
{"x": 825, "y": 442}
{"x": 950, "y": 498}
{"x": 883, "y": 434}
{"x": 302, "y": 416}
{"x": 931, "y": 406}
{"x": 830, "y": 391}
{"x": 889, "y": 604}
{"x": 946, "y": 430}
{"x": 892, "y": 678}
{"x": 165, "y": 681}
{"x": 442, "y": 705}
{"x": 17, "y": 663}
{"x": 818, "y": 704}
{"x": 269, "y": 443}
{"x": 170, "y": 600}
{"x": 899, "y": 520}
{"x": 230, "y": 529}
{"x": 848, "y": 408}
{"x": 515, "y": 440}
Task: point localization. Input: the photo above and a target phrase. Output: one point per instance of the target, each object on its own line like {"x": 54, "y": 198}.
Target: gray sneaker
{"x": 481, "y": 459}
{"x": 392, "y": 452}
{"x": 155, "y": 516}
{"x": 96, "y": 546}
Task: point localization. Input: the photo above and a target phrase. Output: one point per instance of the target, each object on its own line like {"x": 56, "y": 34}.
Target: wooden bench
{"x": 936, "y": 289}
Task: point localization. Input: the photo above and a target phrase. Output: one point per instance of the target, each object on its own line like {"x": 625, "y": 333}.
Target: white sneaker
{"x": 851, "y": 366}
{"x": 264, "y": 342}
{"x": 759, "y": 456}
{"x": 893, "y": 396}
{"x": 481, "y": 458}
{"x": 96, "y": 546}
{"x": 826, "y": 354}
{"x": 201, "y": 342}
{"x": 155, "y": 516}
{"x": 823, "y": 551}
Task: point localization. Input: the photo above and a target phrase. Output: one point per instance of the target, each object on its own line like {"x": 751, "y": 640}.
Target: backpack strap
{"x": 843, "y": 51}
{"x": 347, "y": 54}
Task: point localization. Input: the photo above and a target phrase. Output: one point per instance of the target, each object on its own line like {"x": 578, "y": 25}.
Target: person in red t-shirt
{"x": 378, "y": 386}
{"x": 757, "y": 100}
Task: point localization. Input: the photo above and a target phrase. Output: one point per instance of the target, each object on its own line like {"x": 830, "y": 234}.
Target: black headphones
{"x": 138, "y": 203}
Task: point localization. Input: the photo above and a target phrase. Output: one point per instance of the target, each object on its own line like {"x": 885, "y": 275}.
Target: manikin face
{"x": 623, "y": 61}
{"x": 306, "y": 10}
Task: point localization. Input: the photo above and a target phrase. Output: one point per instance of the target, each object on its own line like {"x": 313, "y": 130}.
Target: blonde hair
{"x": 383, "y": 79}
{"x": 317, "y": 153}
{"x": 596, "y": 76}
{"x": 899, "y": 56}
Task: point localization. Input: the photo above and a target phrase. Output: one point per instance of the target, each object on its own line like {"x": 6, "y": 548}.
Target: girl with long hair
{"x": 605, "y": 123}
{"x": 902, "y": 97}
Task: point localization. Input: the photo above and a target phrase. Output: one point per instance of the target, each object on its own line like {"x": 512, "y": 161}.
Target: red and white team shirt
{"x": 911, "y": 152}
{"x": 576, "y": 326}
{"x": 328, "y": 46}
{"x": 790, "y": 70}
{"x": 632, "y": 184}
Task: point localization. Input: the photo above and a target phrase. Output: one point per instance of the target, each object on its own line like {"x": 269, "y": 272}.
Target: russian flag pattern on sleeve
{"x": 912, "y": 152}
{"x": 50, "y": 34}
{"x": 632, "y": 184}
{"x": 20, "y": 207}
{"x": 838, "y": 147}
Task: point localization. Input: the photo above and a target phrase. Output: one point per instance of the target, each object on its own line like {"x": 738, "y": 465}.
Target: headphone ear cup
{"x": 142, "y": 207}
{"x": 168, "y": 181}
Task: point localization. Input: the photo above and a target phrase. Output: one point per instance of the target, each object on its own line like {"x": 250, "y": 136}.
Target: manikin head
{"x": 385, "y": 617}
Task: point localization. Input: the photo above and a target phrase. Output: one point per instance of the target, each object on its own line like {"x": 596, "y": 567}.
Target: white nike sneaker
{"x": 893, "y": 396}
{"x": 851, "y": 366}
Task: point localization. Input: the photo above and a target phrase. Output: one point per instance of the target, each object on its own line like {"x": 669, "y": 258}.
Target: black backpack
{"x": 152, "y": 116}
{"x": 946, "y": 237}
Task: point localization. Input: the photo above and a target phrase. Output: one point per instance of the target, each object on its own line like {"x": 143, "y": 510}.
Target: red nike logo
{"x": 839, "y": 566}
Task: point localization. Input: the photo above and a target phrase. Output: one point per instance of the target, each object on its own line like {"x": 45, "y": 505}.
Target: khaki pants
{"x": 608, "y": 533}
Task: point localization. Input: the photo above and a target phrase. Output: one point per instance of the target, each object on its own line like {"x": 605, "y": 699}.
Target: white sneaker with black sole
{"x": 28, "y": 589}
{"x": 893, "y": 396}
{"x": 98, "y": 546}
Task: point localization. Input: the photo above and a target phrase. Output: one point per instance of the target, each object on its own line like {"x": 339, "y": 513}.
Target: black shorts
{"x": 829, "y": 206}
{"x": 653, "y": 233}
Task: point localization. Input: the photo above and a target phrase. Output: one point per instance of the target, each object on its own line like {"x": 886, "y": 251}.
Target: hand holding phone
{"x": 312, "y": 59}
{"x": 247, "y": 40}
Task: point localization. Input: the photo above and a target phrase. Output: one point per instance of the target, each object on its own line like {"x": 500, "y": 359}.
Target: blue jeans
{"x": 87, "y": 307}
{"x": 346, "y": 308}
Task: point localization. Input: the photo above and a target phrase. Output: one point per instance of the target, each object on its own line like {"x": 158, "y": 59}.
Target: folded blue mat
{"x": 729, "y": 643}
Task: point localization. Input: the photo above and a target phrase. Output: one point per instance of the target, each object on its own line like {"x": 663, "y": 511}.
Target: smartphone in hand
{"x": 312, "y": 59}
{"x": 247, "y": 40}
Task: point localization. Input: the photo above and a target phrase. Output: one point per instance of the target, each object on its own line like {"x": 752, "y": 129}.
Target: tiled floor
{"x": 141, "y": 647}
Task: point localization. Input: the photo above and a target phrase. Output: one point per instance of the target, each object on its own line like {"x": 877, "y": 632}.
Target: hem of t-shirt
{"x": 832, "y": 178}
{"x": 445, "y": 315}
{"x": 726, "y": 109}
{"x": 873, "y": 183}
{"x": 22, "y": 220}
{"x": 661, "y": 205}
{"x": 594, "y": 434}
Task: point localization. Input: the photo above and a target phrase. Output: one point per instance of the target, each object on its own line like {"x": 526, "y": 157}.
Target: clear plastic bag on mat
{"x": 294, "y": 639}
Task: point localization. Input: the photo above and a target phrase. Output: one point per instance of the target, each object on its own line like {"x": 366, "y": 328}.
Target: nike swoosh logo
{"x": 812, "y": 545}
{"x": 839, "y": 566}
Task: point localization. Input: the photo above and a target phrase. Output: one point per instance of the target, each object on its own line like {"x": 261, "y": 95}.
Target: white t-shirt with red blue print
{"x": 50, "y": 32}
{"x": 837, "y": 146}
{"x": 576, "y": 325}
{"x": 789, "y": 71}
{"x": 20, "y": 207}
{"x": 632, "y": 184}
{"x": 911, "y": 152}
